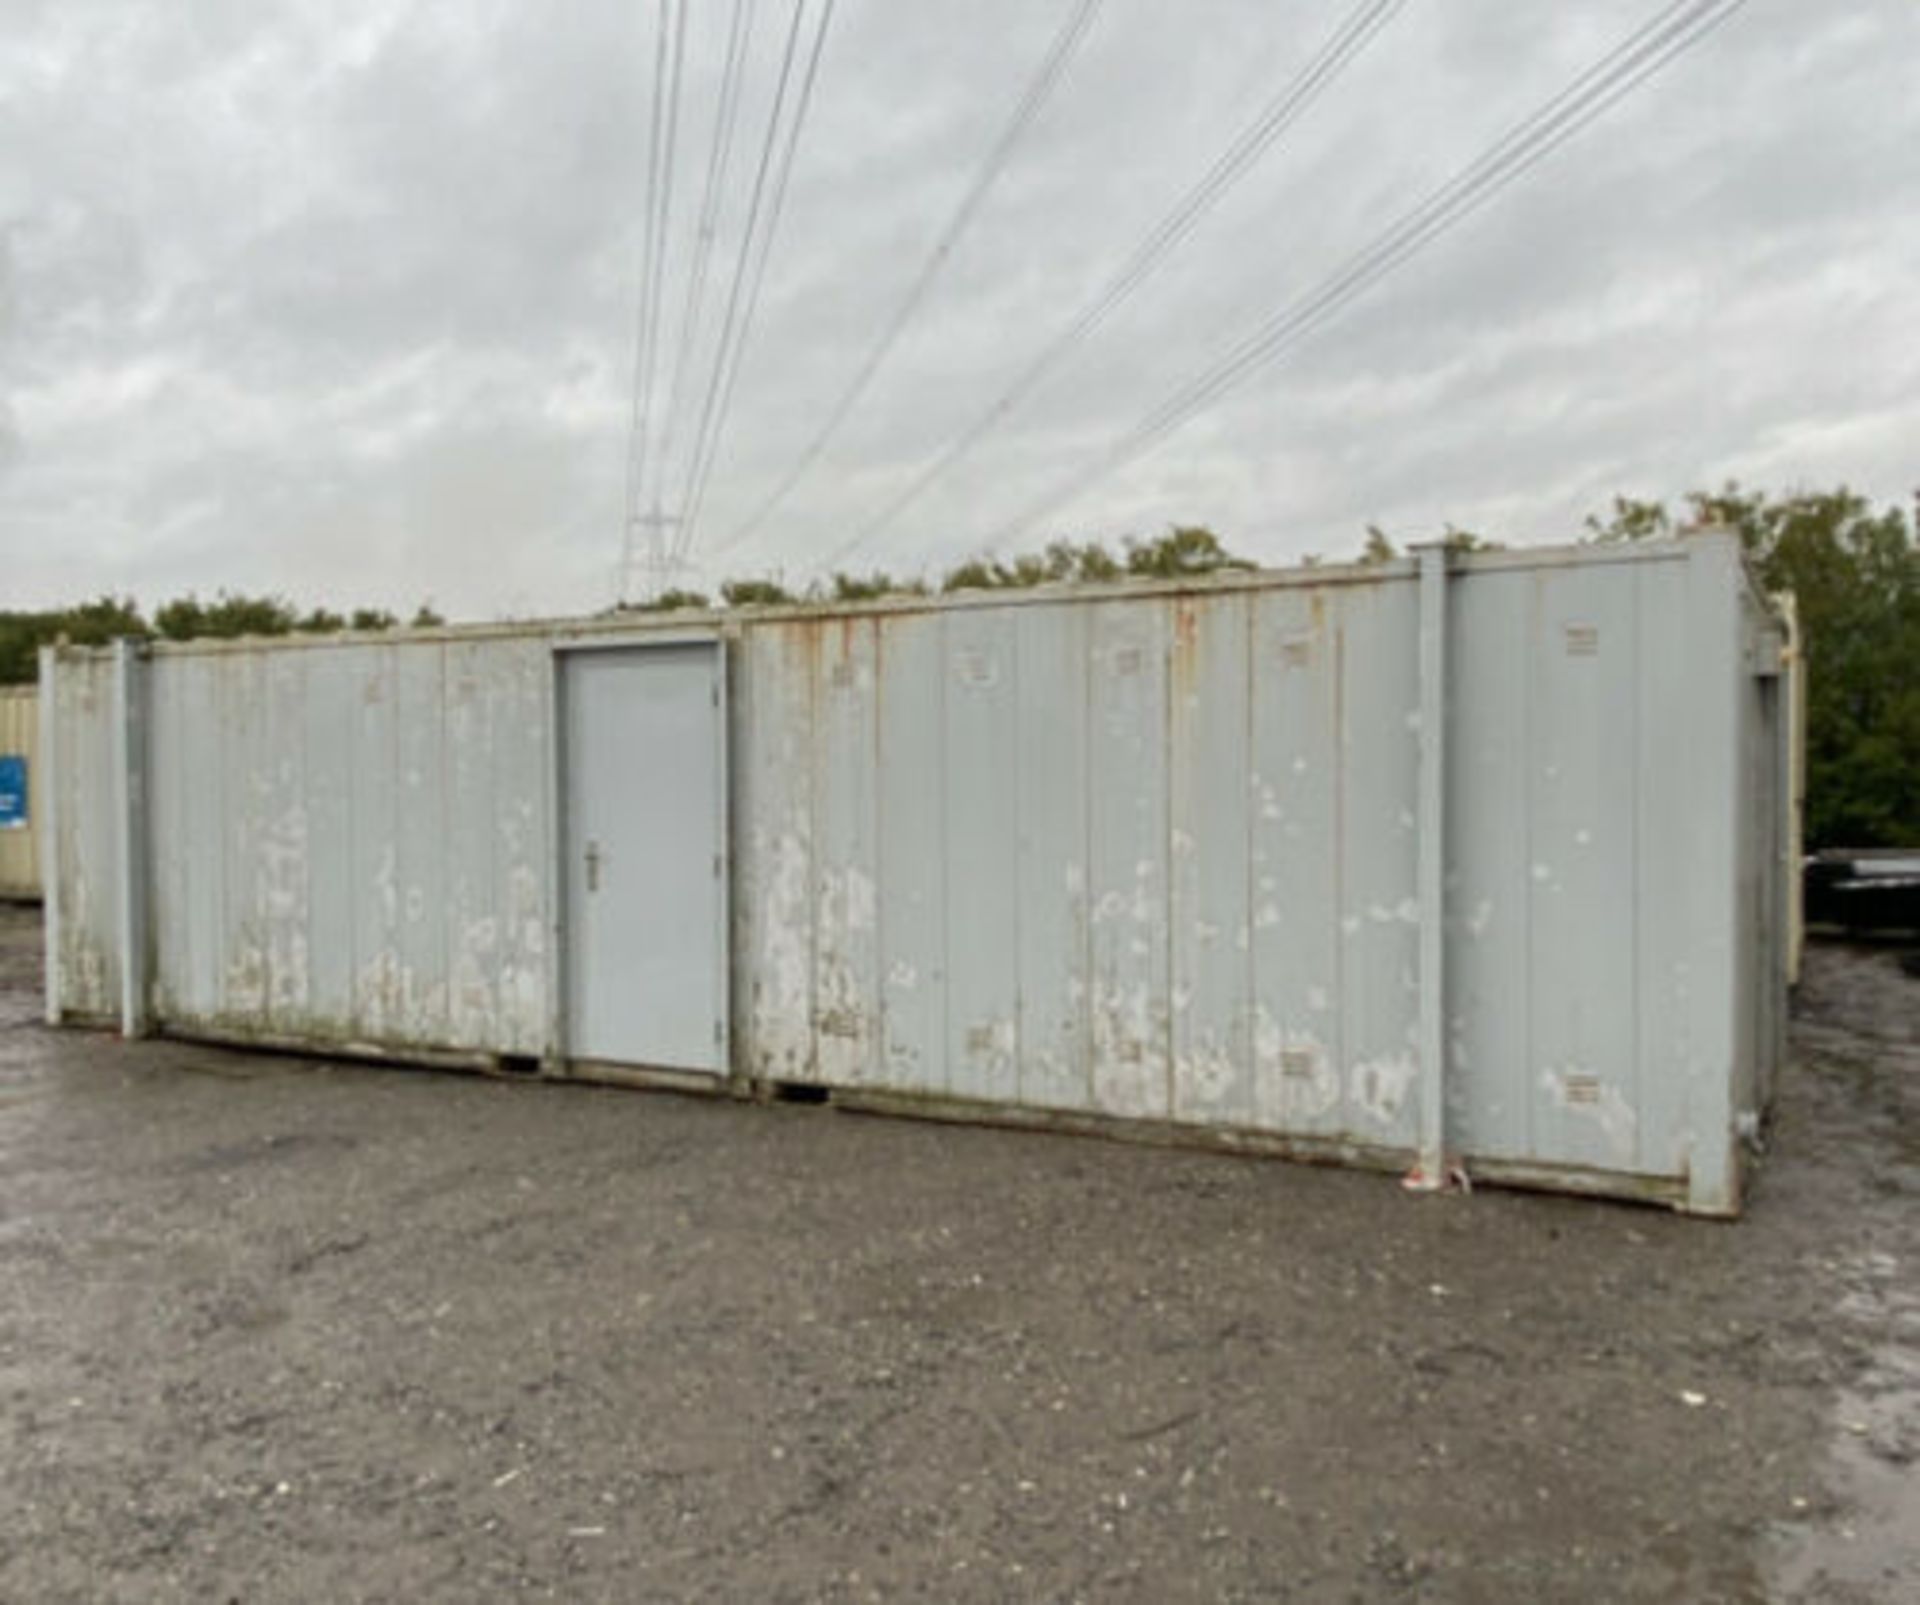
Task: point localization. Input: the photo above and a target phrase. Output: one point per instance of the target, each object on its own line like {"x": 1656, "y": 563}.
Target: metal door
{"x": 644, "y": 787}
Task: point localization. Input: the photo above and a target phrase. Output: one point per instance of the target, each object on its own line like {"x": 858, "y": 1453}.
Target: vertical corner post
{"x": 723, "y": 863}
{"x": 554, "y": 910}
{"x": 1794, "y": 734}
{"x": 1719, "y": 995}
{"x": 1430, "y": 873}
{"x": 130, "y": 816}
{"x": 51, "y": 825}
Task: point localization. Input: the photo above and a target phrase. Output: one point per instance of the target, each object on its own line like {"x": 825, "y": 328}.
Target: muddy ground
{"x": 276, "y": 1329}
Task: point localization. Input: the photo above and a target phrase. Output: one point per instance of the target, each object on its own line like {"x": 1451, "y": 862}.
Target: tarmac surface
{"x": 278, "y": 1329}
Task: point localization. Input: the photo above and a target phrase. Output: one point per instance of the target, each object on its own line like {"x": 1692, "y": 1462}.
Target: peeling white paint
{"x": 386, "y": 883}
{"x": 849, "y": 900}
{"x": 1146, "y": 907}
{"x": 1204, "y": 1076}
{"x": 992, "y": 1045}
{"x": 844, "y": 1034}
{"x": 1583, "y": 1095}
{"x": 475, "y": 966}
{"x": 1378, "y": 1087}
{"x": 1407, "y": 911}
{"x": 282, "y": 904}
{"x": 781, "y": 995}
{"x": 1129, "y": 1057}
{"x": 1296, "y": 1086}
{"x": 377, "y": 994}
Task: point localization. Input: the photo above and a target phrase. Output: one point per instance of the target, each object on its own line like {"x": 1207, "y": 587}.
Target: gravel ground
{"x": 279, "y": 1329}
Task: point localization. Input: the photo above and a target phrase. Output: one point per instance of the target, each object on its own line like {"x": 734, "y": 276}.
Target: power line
{"x": 737, "y": 323}
{"x": 1033, "y": 99}
{"x": 667, "y": 166}
{"x": 637, "y": 423}
{"x": 697, "y": 497}
{"x": 719, "y": 157}
{"x": 669, "y": 65}
{"x": 1588, "y": 96}
{"x": 1357, "y": 29}
{"x": 743, "y": 254}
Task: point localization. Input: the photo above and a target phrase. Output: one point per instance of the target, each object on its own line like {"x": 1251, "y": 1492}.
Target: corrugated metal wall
{"x": 1140, "y": 854}
{"x": 351, "y": 844}
{"x": 1571, "y": 813}
{"x": 1143, "y": 858}
{"x": 20, "y": 737}
{"x": 1156, "y": 859}
{"x": 80, "y": 808}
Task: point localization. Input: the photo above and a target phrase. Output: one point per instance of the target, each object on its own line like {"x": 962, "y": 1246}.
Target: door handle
{"x": 593, "y": 866}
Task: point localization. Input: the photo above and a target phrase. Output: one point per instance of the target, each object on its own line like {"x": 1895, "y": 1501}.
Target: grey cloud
{"x": 339, "y": 299}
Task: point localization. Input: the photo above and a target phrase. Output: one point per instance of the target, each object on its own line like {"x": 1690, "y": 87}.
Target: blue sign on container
{"x": 13, "y": 791}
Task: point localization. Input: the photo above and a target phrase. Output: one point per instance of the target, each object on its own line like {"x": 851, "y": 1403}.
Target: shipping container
{"x": 1460, "y": 865}
{"x": 19, "y": 793}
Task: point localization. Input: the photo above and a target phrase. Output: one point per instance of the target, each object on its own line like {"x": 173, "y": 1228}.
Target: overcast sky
{"x": 336, "y": 297}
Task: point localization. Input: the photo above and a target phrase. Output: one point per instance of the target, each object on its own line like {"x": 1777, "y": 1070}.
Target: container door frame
{"x": 559, "y": 980}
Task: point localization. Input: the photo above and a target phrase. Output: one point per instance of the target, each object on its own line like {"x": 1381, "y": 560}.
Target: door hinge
{"x": 716, "y": 866}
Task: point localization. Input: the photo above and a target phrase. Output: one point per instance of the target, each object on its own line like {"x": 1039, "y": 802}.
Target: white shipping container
{"x": 1465, "y": 863}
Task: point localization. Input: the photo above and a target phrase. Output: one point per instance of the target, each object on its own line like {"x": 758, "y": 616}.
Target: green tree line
{"x": 1854, "y": 568}
{"x": 185, "y": 618}
{"x": 1854, "y": 571}
{"x": 1185, "y": 550}
{"x": 232, "y": 614}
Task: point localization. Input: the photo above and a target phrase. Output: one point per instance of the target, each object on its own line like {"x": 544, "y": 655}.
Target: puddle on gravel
{"x": 1866, "y": 1544}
